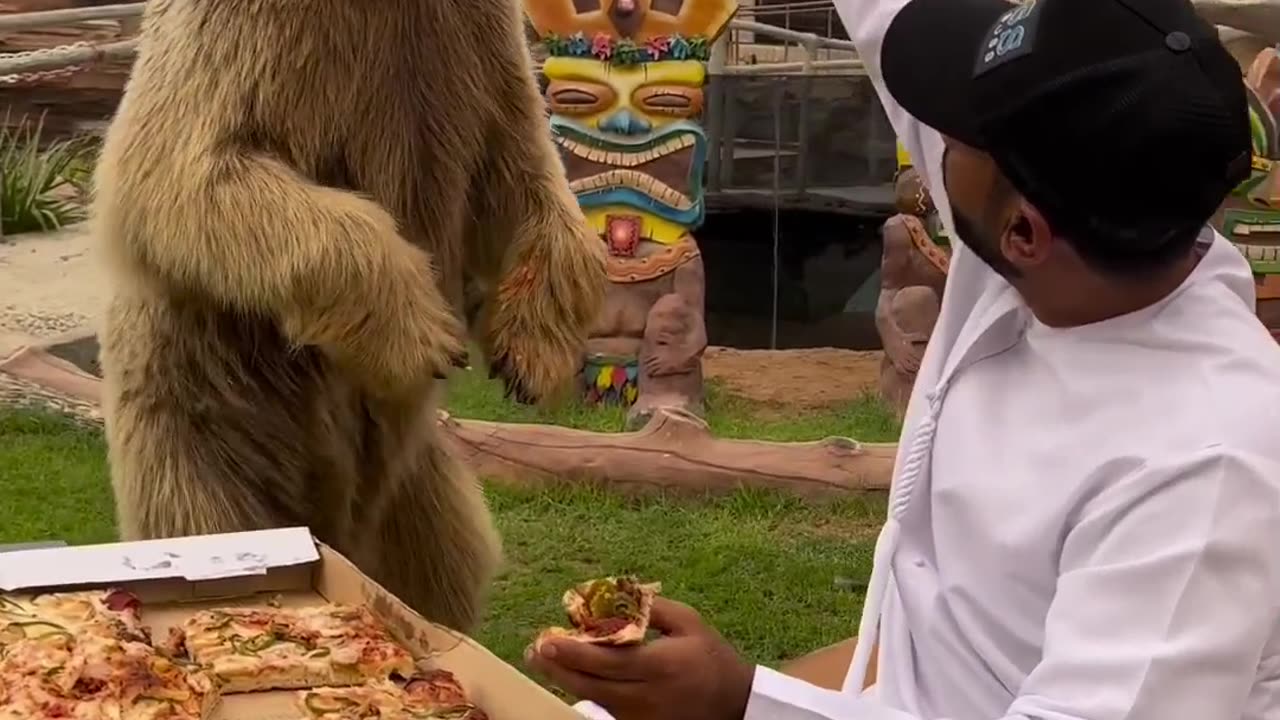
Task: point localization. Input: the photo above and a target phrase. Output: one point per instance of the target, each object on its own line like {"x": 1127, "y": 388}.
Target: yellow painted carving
{"x": 652, "y": 227}
{"x": 904, "y": 158}
{"x": 637, "y": 88}
{"x": 660, "y": 93}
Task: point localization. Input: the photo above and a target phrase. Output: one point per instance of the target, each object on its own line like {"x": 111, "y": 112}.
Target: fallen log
{"x": 675, "y": 451}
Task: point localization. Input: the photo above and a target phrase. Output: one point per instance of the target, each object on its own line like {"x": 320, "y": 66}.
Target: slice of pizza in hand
{"x": 110, "y": 613}
{"x": 607, "y": 611}
{"x": 289, "y": 648}
{"x": 435, "y": 694}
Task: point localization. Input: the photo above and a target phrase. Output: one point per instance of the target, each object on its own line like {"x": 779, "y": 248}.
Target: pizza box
{"x": 827, "y": 666}
{"x": 176, "y": 577}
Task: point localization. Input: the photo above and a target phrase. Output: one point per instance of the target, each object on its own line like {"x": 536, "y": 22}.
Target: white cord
{"x": 777, "y": 191}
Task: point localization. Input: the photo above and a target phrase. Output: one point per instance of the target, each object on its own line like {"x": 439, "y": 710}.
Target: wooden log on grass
{"x": 675, "y": 451}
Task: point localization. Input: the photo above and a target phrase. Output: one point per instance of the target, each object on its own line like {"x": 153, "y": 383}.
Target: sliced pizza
{"x": 288, "y": 648}
{"x": 92, "y": 677}
{"x": 108, "y": 613}
{"x": 435, "y": 694}
{"x": 607, "y": 611}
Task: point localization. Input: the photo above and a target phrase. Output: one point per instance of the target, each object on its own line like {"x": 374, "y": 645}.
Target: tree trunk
{"x": 675, "y": 451}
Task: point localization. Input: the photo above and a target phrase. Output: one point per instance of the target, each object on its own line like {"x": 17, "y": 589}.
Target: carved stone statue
{"x": 625, "y": 88}
{"x": 913, "y": 272}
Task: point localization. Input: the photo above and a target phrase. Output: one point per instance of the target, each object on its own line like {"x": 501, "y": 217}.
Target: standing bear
{"x": 292, "y": 198}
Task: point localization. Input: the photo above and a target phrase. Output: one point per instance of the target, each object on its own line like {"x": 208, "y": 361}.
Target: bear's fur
{"x": 292, "y": 197}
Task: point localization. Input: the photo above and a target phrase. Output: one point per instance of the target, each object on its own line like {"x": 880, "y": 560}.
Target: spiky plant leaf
{"x": 38, "y": 184}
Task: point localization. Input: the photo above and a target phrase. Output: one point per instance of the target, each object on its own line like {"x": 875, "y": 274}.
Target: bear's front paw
{"x": 433, "y": 347}
{"x": 539, "y": 328}
{"x": 419, "y": 342}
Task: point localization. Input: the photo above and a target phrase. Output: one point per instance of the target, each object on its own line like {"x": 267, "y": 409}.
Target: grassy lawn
{"x": 472, "y": 395}
{"x": 778, "y": 576}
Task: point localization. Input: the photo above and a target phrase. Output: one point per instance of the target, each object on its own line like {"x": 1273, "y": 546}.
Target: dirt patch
{"x": 52, "y": 284}
{"x": 800, "y": 379}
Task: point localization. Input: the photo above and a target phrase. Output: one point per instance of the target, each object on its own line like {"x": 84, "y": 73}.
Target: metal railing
{"x": 751, "y": 46}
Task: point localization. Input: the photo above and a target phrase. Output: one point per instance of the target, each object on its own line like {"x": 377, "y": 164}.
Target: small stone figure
{"x": 913, "y": 272}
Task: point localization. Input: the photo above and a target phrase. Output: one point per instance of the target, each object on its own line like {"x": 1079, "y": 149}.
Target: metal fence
{"x": 811, "y": 141}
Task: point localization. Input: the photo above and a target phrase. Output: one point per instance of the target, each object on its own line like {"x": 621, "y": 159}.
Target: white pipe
{"x": 28, "y": 21}
{"x": 787, "y": 68}
{"x": 791, "y": 35}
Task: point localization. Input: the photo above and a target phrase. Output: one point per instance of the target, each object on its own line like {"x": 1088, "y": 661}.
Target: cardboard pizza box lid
{"x": 202, "y": 557}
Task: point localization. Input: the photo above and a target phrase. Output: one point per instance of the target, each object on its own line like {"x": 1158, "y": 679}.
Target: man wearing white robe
{"x": 1085, "y": 519}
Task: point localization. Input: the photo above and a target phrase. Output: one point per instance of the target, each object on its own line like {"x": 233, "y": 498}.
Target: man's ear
{"x": 1026, "y": 240}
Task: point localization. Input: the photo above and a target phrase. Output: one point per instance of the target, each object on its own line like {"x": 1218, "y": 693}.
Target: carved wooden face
{"x": 628, "y": 136}
{"x": 628, "y": 16}
{"x": 625, "y": 101}
{"x": 635, "y": 19}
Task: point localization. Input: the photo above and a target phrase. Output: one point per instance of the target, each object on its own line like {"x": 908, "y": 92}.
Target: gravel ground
{"x": 49, "y": 284}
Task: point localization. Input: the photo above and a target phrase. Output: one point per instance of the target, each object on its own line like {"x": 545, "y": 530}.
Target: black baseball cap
{"x": 1118, "y": 119}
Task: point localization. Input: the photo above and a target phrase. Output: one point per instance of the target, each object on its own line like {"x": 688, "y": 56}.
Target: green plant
{"x": 41, "y": 186}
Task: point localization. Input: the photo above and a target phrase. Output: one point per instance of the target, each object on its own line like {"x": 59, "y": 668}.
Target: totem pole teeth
{"x": 624, "y": 158}
{"x": 1257, "y": 229}
{"x": 1259, "y": 253}
{"x": 636, "y": 180}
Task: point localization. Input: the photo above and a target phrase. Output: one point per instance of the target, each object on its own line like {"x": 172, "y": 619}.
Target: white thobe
{"x": 1085, "y": 522}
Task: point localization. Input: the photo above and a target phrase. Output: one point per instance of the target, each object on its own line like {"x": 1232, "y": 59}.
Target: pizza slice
{"x": 436, "y": 694}
{"x": 110, "y": 613}
{"x": 607, "y": 611}
{"x": 289, "y": 648}
{"x": 94, "y": 677}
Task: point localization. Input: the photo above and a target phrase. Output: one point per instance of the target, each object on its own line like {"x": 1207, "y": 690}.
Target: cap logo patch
{"x": 1010, "y": 38}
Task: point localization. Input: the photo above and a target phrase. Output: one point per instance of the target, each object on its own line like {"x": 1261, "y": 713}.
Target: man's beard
{"x": 986, "y": 247}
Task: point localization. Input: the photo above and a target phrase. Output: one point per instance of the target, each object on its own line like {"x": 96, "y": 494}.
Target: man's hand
{"x": 690, "y": 672}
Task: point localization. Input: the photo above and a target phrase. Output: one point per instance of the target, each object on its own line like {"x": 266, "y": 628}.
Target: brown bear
{"x": 292, "y": 199}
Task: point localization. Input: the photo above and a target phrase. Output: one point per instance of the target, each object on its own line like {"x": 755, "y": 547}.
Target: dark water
{"x": 827, "y": 279}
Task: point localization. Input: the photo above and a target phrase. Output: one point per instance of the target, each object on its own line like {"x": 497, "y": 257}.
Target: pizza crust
{"x": 251, "y": 650}
{"x": 432, "y": 694}
{"x": 578, "y": 609}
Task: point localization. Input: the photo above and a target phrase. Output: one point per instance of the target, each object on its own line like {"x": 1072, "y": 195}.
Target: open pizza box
{"x": 827, "y": 667}
{"x": 179, "y": 576}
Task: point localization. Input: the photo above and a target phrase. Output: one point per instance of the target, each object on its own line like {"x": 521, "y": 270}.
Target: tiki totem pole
{"x": 1250, "y": 217}
{"x": 913, "y": 271}
{"x": 625, "y": 89}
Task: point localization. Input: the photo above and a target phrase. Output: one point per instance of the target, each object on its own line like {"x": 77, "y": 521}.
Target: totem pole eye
{"x": 674, "y": 101}
{"x": 583, "y": 6}
{"x": 578, "y": 98}
{"x": 667, "y": 7}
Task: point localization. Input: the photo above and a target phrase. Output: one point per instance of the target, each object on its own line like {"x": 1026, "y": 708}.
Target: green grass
{"x": 472, "y": 395}
{"x": 779, "y": 576}
{"x": 41, "y": 183}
